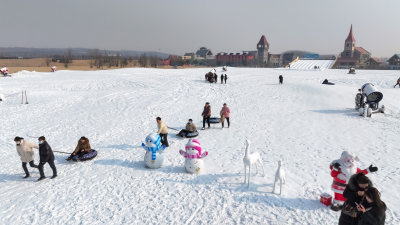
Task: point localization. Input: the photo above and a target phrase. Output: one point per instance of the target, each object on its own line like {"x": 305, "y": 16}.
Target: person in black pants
{"x": 215, "y": 78}
{"x": 46, "y": 156}
{"x": 206, "y": 115}
{"x": 280, "y": 79}
{"x": 225, "y": 78}
{"x": 222, "y": 78}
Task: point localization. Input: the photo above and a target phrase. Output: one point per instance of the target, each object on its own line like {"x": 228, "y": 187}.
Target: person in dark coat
{"x": 222, "y": 78}
{"x": 206, "y": 115}
{"x": 225, "y": 78}
{"x": 46, "y": 156}
{"x": 215, "y": 78}
{"x": 280, "y": 79}
{"x": 354, "y": 194}
{"x": 372, "y": 209}
{"x": 398, "y": 83}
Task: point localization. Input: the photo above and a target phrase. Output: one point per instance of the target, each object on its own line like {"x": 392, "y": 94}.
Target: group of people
{"x": 224, "y": 113}
{"x": 363, "y": 203}
{"x": 25, "y": 152}
{"x": 212, "y": 77}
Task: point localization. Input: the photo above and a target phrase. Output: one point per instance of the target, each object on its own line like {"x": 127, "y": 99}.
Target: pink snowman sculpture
{"x": 193, "y": 156}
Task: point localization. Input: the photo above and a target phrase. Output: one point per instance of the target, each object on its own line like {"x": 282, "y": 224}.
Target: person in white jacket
{"x": 25, "y": 152}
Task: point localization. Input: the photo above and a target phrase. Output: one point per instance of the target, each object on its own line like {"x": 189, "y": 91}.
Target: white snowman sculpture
{"x": 193, "y": 156}
{"x": 154, "y": 157}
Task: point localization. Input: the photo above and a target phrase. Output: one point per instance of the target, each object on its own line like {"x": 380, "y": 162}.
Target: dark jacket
{"x": 226, "y": 77}
{"x": 375, "y": 215}
{"x": 45, "y": 152}
{"x": 206, "y": 111}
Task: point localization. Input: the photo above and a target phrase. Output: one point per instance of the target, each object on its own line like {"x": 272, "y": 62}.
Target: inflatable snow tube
{"x": 192, "y": 134}
{"x": 215, "y": 120}
{"x": 88, "y": 156}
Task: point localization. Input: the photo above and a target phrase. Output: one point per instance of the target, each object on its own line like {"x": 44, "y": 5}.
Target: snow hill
{"x": 307, "y": 123}
{"x": 305, "y": 64}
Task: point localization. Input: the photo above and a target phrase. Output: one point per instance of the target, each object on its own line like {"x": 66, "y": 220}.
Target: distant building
{"x": 352, "y": 56}
{"x": 204, "y": 53}
{"x": 374, "y": 63}
{"x": 262, "y": 52}
{"x": 274, "y": 60}
{"x": 394, "y": 62}
{"x": 235, "y": 59}
{"x": 188, "y": 56}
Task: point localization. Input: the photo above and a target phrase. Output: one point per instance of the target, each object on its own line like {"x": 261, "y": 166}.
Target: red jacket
{"x": 225, "y": 112}
{"x": 338, "y": 184}
{"x": 206, "y": 111}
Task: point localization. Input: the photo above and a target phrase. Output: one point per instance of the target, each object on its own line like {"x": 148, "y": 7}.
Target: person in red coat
{"x": 225, "y": 114}
{"x": 206, "y": 115}
{"x": 341, "y": 171}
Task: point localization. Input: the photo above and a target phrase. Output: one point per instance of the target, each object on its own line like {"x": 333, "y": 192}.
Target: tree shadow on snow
{"x": 273, "y": 200}
{"x": 346, "y": 112}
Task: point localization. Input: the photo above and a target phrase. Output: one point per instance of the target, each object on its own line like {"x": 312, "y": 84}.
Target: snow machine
{"x": 352, "y": 71}
{"x": 88, "y": 156}
{"x": 327, "y": 82}
{"x": 215, "y": 119}
{"x": 367, "y": 101}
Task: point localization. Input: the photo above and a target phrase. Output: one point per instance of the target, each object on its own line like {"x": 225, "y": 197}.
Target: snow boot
{"x": 26, "y": 176}
{"x": 41, "y": 178}
{"x": 336, "y": 207}
{"x": 54, "y": 176}
{"x": 203, "y": 128}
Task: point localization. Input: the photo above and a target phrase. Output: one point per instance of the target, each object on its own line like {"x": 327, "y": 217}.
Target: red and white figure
{"x": 4, "y": 71}
{"x": 53, "y": 69}
{"x": 341, "y": 171}
{"x": 193, "y": 156}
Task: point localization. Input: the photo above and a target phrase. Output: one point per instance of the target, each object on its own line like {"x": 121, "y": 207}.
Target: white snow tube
{"x": 372, "y": 93}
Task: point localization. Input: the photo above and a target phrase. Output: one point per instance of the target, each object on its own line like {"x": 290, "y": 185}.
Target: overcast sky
{"x": 179, "y": 26}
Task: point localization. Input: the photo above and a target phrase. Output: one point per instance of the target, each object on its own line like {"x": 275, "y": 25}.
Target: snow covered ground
{"x": 307, "y": 123}
{"x": 304, "y": 64}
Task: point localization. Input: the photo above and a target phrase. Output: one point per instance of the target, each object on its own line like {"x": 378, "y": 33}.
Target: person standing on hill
{"x": 46, "y": 156}
{"x": 206, "y": 115}
{"x": 25, "y": 152}
{"x": 225, "y": 113}
{"x": 280, "y": 79}
{"x": 222, "y": 78}
{"x": 215, "y": 78}
{"x": 225, "y": 78}
{"x": 162, "y": 131}
{"x": 398, "y": 82}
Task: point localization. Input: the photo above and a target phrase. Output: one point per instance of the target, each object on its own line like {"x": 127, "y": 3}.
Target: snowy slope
{"x": 309, "y": 124}
{"x": 304, "y": 64}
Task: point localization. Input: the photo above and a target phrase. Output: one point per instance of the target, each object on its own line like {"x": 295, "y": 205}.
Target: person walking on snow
{"x": 225, "y": 113}
{"x": 46, "y": 156}
{"x": 222, "y": 78}
{"x": 225, "y": 78}
{"x": 81, "y": 148}
{"x": 280, "y": 79}
{"x": 162, "y": 131}
{"x": 25, "y": 152}
{"x": 206, "y": 114}
{"x": 215, "y": 78}
{"x": 398, "y": 83}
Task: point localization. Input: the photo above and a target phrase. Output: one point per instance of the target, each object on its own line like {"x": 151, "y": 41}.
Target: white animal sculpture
{"x": 280, "y": 176}
{"x": 249, "y": 160}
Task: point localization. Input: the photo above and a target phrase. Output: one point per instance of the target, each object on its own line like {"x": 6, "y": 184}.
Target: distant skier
{"x": 215, "y": 78}
{"x": 162, "y": 131}
{"x": 25, "y": 152}
{"x": 280, "y": 79}
{"x": 222, "y": 78}
{"x": 190, "y": 128}
{"x": 81, "y": 148}
{"x": 206, "y": 115}
{"x": 225, "y": 113}
{"x": 225, "y": 78}
{"x": 398, "y": 83}
{"x": 46, "y": 156}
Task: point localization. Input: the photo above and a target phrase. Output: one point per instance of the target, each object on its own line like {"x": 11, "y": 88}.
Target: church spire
{"x": 351, "y": 36}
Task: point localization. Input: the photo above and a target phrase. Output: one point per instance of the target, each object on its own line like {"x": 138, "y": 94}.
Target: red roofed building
{"x": 262, "y": 52}
{"x": 352, "y": 56}
{"x": 235, "y": 59}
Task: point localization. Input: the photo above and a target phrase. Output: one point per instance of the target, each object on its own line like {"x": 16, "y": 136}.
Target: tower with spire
{"x": 262, "y": 52}
{"x": 349, "y": 44}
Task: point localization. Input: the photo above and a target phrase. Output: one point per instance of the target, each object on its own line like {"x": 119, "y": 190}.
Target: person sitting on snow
{"x": 81, "y": 148}
{"x": 190, "y": 128}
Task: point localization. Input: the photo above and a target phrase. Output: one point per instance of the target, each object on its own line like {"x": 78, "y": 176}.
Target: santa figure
{"x": 341, "y": 171}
